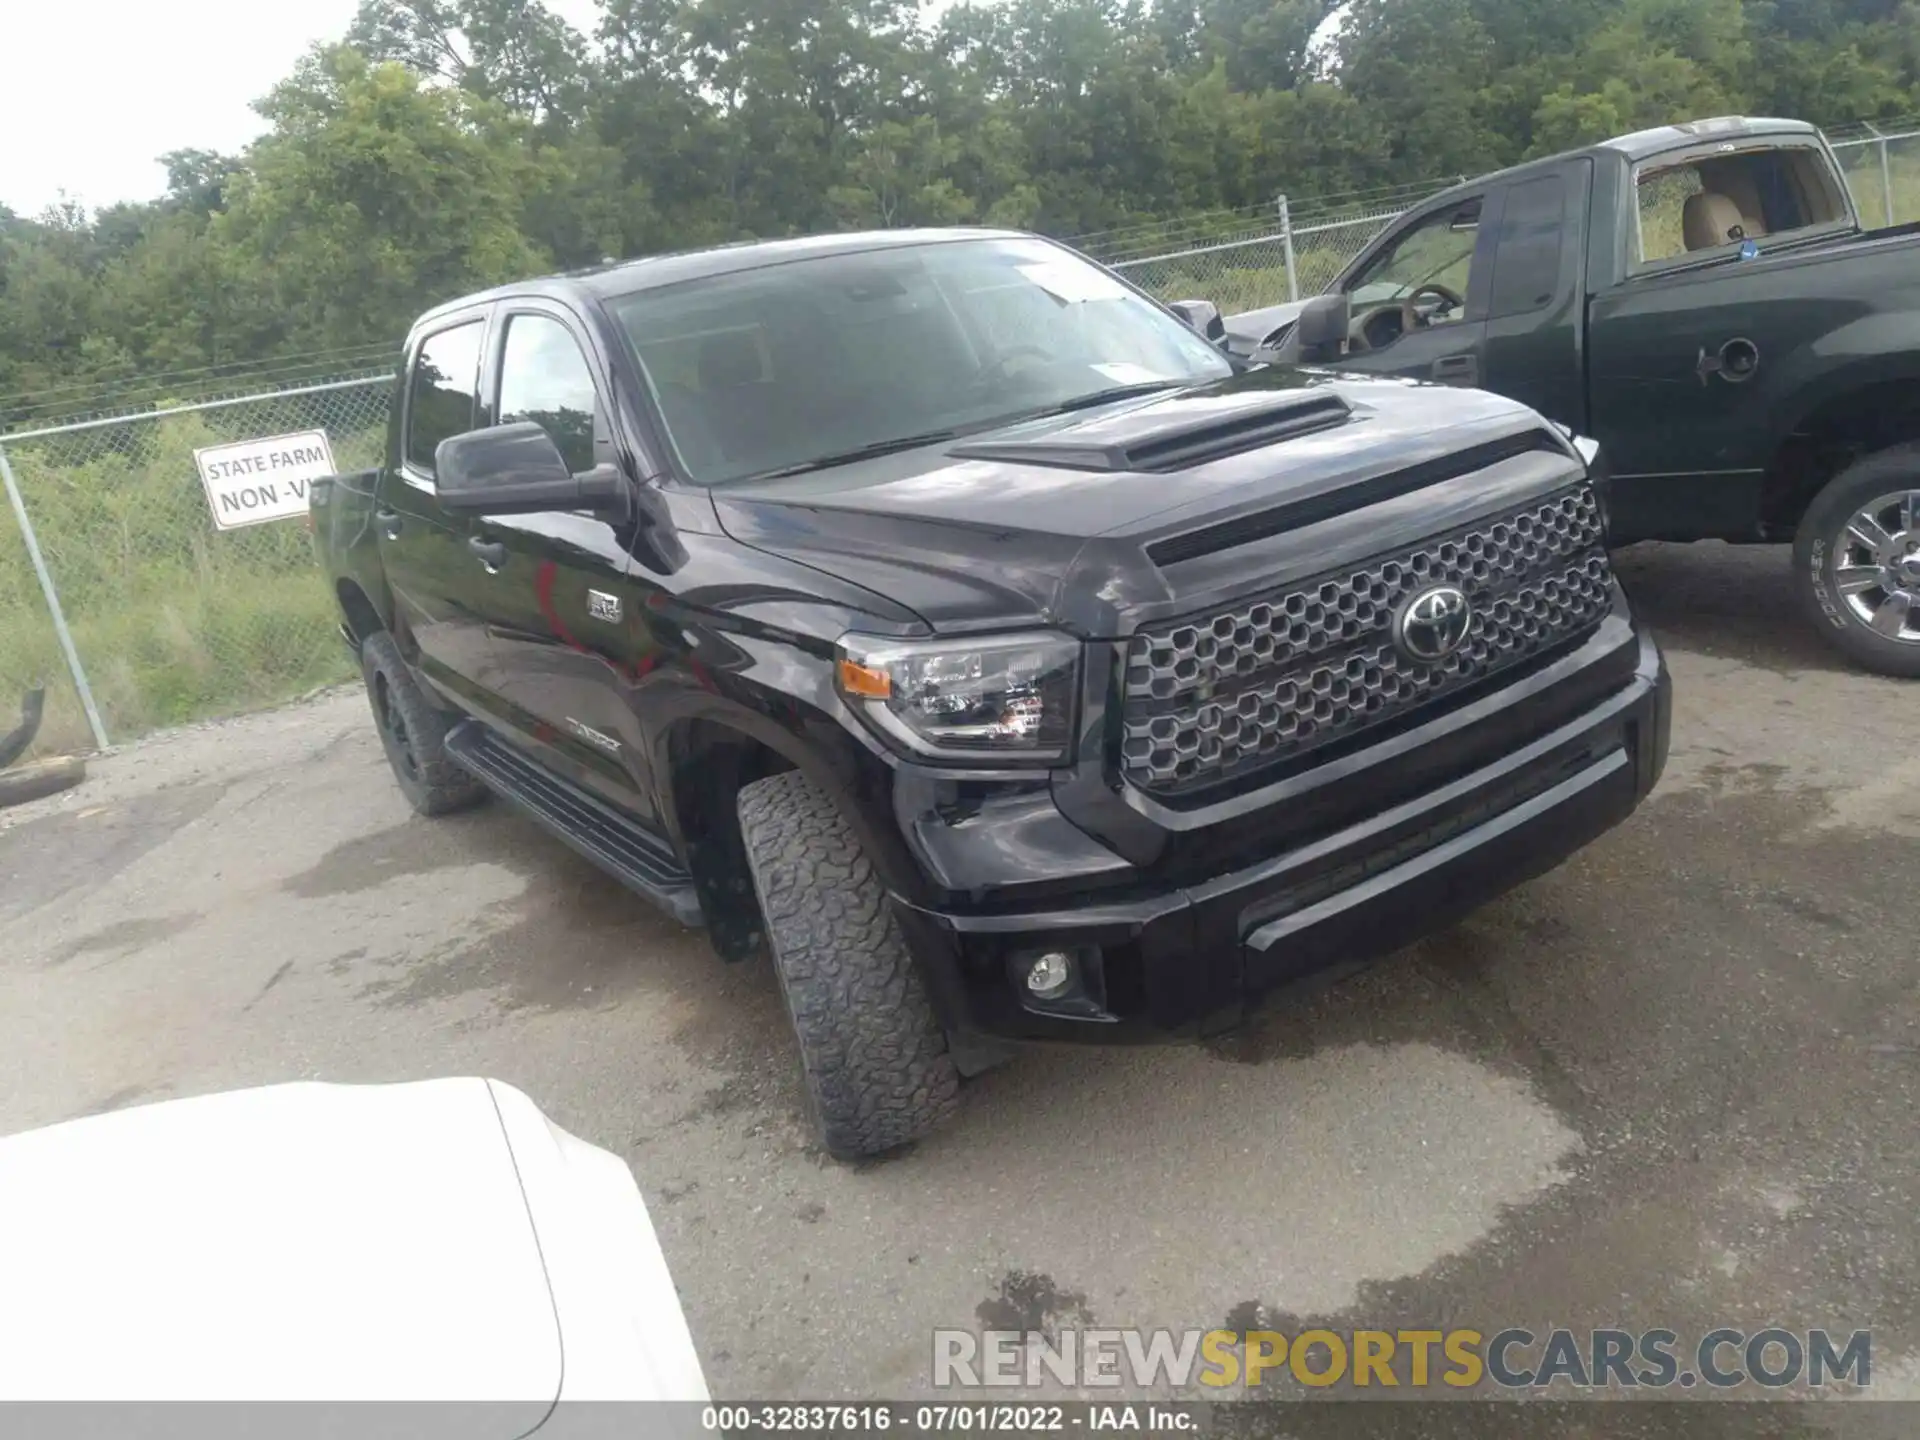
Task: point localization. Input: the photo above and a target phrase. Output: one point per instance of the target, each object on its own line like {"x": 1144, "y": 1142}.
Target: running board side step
{"x": 585, "y": 823}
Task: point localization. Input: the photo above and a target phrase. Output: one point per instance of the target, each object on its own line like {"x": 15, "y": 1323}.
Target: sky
{"x": 94, "y": 90}
{"x": 178, "y": 75}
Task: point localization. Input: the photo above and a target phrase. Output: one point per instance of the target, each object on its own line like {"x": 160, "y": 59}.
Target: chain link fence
{"x": 1882, "y": 165}
{"x": 169, "y": 618}
{"x": 1237, "y": 271}
{"x": 1247, "y": 259}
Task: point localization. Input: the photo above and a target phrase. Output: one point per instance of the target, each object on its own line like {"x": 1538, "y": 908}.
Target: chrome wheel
{"x": 1877, "y": 565}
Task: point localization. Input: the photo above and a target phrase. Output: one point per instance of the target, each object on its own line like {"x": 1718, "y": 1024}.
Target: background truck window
{"x": 1526, "y": 266}
{"x": 1774, "y": 191}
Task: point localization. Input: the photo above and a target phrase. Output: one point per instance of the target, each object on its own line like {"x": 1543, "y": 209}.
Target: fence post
{"x": 53, "y": 602}
{"x": 1286, "y": 249}
{"x": 1886, "y": 181}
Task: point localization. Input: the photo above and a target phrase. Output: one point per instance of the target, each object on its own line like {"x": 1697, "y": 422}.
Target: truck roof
{"x": 1642, "y": 144}
{"x": 650, "y": 271}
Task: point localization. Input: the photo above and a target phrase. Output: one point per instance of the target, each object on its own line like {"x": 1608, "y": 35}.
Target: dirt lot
{"x": 1672, "y": 1083}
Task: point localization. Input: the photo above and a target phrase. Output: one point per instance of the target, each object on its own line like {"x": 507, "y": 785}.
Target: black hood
{"x": 1098, "y": 521}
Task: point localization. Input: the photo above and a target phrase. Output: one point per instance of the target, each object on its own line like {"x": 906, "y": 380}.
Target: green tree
{"x": 515, "y": 51}
{"x": 375, "y": 195}
{"x": 1419, "y": 68}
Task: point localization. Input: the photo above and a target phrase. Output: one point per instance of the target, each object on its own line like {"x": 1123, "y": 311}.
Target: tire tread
{"x": 874, "y": 1054}
{"x": 442, "y": 787}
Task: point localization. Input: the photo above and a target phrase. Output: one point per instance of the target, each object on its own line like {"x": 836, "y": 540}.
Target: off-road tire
{"x": 872, "y": 1053}
{"x": 413, "y": 732}
{"x": 1815, "y": 554}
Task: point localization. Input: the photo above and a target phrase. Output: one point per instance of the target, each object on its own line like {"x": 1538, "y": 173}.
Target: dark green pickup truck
{"x": 1700, "y": 299}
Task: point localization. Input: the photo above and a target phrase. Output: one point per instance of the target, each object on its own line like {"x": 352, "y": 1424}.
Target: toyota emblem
{"x": 1432, "y": 623}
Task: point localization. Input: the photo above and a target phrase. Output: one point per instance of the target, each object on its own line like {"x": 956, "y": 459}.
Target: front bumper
{"x": 1181, "y": 960}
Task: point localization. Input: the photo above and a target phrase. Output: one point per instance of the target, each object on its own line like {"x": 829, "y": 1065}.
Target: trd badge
{"x": 599, "y": 739}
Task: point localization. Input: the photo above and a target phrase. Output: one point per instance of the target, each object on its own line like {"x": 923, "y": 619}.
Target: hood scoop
{"x": 1312, "y": 509}
{"x": 1176, "y": 433}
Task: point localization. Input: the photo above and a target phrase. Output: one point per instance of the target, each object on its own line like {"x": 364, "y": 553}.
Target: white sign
{"x": 258, "y": 480}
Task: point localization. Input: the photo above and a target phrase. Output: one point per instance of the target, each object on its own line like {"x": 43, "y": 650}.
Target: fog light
{"x": 1050, "y": 975}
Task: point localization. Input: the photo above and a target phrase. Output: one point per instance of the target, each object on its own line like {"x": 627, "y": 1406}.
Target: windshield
{"x": 779, "y": 368}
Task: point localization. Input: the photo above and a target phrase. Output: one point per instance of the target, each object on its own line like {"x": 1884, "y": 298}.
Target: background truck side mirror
{"x": 1202, "y": 317}
{"x": 1322, "y": 328}
{"x": 517, "y": 470}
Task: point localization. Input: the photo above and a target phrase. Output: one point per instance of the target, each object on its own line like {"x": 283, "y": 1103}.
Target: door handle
{"x": 389, "y": 522}
{"x": 491, "y": 553}
{"x": 1457, "y": 370}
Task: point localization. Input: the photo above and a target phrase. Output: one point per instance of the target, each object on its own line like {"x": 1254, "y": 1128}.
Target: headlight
{"x": 996, "y": 698}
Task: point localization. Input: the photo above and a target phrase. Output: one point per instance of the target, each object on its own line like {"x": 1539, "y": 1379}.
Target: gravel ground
{"x": 1671, "y": 1083}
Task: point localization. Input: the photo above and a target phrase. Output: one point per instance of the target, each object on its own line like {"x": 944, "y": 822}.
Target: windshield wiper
{"x": 859, "y": 452}
{"x": 1105, "y": 397}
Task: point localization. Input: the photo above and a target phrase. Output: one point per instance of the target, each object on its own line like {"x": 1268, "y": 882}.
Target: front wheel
{"x": 1857, "y": 556}
{"x": 872, "y": 1052}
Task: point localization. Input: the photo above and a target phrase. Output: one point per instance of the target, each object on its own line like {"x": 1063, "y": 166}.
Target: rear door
{"x": 440, "y": 585}
{"x": 1420, "y": 305}
{"x": 561, "y": 606}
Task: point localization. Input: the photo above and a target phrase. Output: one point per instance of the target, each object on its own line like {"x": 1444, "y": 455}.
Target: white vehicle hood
{"x": 434, "y": 1241}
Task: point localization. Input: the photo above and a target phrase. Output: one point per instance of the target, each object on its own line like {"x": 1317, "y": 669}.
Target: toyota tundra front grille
{"x": 1211, "y": 698}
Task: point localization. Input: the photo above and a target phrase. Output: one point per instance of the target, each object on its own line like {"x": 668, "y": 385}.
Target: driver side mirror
{"x": 517, "y": 470}
{"x": 1322, "y": 328}
{"x": 1202, "y": 317}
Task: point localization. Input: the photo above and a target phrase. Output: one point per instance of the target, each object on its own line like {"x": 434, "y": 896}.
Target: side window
{"x": 1526, "y": 266}
{"x": 1663, "y": 197}
{"x": 1434, "y": 257}
{"x": 440, "y": 392}
{"x": 544, "y": 378}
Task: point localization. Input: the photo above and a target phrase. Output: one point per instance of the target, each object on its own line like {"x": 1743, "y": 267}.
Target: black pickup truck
{"x": 944, "y": 616}
{"x": 1700, "y": 299}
